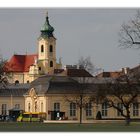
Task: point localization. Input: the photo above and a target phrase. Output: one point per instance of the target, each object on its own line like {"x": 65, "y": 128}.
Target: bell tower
{"x": 46, "y": 49}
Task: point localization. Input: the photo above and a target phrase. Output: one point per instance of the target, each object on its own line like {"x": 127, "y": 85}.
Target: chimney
{"x": 125, "y": 70}
{"x": 70, "y": 67}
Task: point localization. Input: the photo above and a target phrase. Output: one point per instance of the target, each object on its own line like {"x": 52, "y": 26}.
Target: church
{"x": 30, "y": 76}
{"x": 26, "y": 68}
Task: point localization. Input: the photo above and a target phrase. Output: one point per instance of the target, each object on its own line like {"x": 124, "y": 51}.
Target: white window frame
{"x": 72, "y": 109}
{"x": 104, "y": 110}
{"x": 57, "y": 106}
{"x": 135, "y": 109}
{"x": 88, "y": 109}
{"x": 120, "y": 105}
{"x": 17, "y": 106}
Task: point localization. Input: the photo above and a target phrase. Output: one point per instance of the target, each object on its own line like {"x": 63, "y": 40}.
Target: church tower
{"x": 26, "y": 68}
{"x": 47, "y": 49}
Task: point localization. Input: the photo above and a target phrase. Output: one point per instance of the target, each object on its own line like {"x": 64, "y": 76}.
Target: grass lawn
{"x": 43, "y": 127}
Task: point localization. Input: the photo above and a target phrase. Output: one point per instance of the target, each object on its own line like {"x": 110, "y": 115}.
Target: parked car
{"x": 4, "y": 118}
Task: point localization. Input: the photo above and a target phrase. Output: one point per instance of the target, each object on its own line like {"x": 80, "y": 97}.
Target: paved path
{"x": 84, "y": 121}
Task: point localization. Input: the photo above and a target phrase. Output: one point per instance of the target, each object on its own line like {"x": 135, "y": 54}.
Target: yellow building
{"x": 26, "y": 68}
{"x": 12, "y": 98}
{"x": 58, "y": 97}
{"x": 61, "y": 94}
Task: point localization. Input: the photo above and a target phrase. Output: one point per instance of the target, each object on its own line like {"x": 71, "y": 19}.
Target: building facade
{"x": 58, "y": 97}
{"x": 12, "y": 97}
{"x": 61, "y": 94}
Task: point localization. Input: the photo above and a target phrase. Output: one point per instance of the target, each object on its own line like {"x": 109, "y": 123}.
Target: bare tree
{"x": 123, "y": 91}
{"x": 86, "y": 64}
{"x": 81, "y": 99}
{"x": 129, "y": 35}
{"x": 3, "y": 75}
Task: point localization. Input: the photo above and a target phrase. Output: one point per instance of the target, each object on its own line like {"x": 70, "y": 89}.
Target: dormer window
{"x": 42, "y": 48}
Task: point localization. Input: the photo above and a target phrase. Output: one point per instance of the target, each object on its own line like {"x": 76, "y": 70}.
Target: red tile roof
{"x": 20, "y": 63}
{"x": 73, "y": 72}
{"x": 115, "y": 74}
{"x": 78, "y": 73}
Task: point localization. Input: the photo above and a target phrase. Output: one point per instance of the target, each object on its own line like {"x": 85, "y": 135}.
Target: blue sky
{"x": 79, "y": 32}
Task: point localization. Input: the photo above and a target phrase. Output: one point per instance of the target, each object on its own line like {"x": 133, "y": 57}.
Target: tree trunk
{"x": 128, "y": 120}
{"x": 128, "y": 117}
{"x": 81, "y": 99}
{"x": 80, "y": 115}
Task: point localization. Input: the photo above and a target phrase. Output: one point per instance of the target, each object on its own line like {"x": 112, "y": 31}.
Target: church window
{"x": 51, "y": 48}
{"x": 39, "y": 68}
{"x": 51, "y": 63}
{"x": 16, "y": 82}
{"x": 42, "y": 48}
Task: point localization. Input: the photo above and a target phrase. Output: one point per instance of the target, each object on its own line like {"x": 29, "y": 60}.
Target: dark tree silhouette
{"x": 87, "y": 64}
{"x": 3, "y": 74}
{"x": 124, "y": 91}
{"x": 129, "y": 35}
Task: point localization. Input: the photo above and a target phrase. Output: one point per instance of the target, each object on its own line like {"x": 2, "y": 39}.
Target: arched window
{"x": 16, "y": 82}
{"x": 51, "y": 63}
{"x": 35, "y": 106}
{"x": 51, "y": 48}
{"x": 42, "y": 48}
{"x": 29, "y": 107}
{"x": 39, "y": 68}
{"x": 41, "y": 107}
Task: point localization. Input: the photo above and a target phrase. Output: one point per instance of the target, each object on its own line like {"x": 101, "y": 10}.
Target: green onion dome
{"x": 47, "y": 29}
